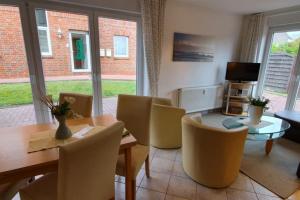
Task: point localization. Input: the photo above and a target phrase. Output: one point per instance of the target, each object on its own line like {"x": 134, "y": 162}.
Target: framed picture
{"x": 193, "y": 48}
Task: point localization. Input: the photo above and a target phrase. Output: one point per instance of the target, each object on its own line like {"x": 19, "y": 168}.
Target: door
{"x": 281, "y": 69}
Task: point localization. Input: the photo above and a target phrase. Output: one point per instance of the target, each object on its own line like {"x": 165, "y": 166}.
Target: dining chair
{"x": 86, "y": 169}
{"x": 9, "y": 190}
{"x": 81, "y": 107}
{"x": 135, "y": 112}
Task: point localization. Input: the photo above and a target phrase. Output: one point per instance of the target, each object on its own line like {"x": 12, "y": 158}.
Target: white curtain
{"x": 153, "y": 12}
{"x": 252, "y": 37}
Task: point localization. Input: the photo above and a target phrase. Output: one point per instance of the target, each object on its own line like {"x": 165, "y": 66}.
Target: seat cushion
{"x": 139, "y": 154}
{"x": 44, "y": 188}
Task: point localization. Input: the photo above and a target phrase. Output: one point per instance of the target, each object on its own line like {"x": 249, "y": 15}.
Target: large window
{"x": 121, "y": 46}
{"x": 43, "y": 31}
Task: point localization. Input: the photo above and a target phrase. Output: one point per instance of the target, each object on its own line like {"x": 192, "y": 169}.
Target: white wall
{"x": 191, "y": 19}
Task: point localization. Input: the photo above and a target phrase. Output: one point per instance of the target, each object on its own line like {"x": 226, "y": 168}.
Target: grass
{"x": 20, "y": 93}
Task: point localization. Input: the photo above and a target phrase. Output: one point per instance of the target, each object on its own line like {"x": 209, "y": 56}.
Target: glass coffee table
{"x": 268, "y": 130}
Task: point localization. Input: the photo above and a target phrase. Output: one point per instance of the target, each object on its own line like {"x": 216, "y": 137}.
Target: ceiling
{"x": 244, "y": 6}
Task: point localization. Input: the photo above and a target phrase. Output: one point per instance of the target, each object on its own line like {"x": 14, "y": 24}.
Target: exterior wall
{"x": 12, "y": 54}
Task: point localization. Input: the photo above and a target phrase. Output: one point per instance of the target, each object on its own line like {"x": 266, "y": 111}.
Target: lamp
{"x": 59, "y": 33}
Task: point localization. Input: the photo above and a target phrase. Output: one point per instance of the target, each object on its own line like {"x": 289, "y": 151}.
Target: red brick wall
{"x": 12, "y": 54}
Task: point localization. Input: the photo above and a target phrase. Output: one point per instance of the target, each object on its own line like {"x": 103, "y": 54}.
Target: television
{"x": 242, "y": 71}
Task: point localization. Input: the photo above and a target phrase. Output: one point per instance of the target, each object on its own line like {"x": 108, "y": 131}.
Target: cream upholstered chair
{"x": 135, "y": 112}
{"x": 83, "y": 103}
{"x": 165, "y": 124}
{"x": 211, "y": 156}
{"x": 9, "y": 190}
{"x": 86, "y": 169}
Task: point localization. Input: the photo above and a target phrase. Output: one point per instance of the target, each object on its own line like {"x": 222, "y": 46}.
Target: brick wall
{"x": 12, "y": 54}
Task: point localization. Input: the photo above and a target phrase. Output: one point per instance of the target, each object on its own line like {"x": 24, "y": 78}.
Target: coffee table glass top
{"x": 269, "y": 128}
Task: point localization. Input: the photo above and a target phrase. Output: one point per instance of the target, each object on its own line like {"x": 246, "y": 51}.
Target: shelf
{"x": 237, "y": 97}
{"x": 244, "y": 114}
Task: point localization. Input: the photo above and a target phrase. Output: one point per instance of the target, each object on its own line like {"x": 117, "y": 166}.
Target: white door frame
{"x": 88, "y": 47}
{"x": 292, "y": 91}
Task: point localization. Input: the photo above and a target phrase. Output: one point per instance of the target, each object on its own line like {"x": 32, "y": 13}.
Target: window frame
{"x": 47, "y": 29}
{"x": 88, "y": 53}
{"x": 127, "y": 44}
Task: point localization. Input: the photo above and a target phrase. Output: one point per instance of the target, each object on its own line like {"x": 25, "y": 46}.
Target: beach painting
{"x": 193, "y": 48}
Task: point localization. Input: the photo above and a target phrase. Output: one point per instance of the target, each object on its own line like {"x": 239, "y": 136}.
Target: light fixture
{"x": 59, "y": 33}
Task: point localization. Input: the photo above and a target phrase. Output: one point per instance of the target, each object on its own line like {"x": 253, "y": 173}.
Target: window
{"x": 80, "y": 51}
{"x": 43, "y": 32}
{"x": 121, "y": 46}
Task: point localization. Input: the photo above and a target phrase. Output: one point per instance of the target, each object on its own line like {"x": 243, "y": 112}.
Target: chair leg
{"x": 147, "y": 169}
{"x": 133, "y": 182}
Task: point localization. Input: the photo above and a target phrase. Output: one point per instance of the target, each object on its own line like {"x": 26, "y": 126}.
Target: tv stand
{"x": 236, "y": 100}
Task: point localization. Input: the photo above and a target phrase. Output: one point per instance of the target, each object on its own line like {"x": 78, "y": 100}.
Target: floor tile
{"x": 119, "y": 191}
{"x": 140, "y": 177}
{"x": 161, "y": 165}
{"x": 144, "y": 194}
{"x": 182, "y": 187}
{"x": 242, "y": 183}
{"x": 170, "y": 197}
{"x": 169, "y": 154}
{"x": 205, "y": 193}
{"x": 261, "y": 189}
{"x": 240, "y": 195}
{"x": 157, "y": 181}
{"x": 178, "y": 170}
{"x": 266, "y": 197}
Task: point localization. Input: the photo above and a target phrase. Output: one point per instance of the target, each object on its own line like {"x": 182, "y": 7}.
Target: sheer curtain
{"x": 153, "y": 12}
{"x": 252, "y": 37}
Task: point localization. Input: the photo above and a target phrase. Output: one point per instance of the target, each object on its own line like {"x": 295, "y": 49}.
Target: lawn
{"x": 20, "y": 93}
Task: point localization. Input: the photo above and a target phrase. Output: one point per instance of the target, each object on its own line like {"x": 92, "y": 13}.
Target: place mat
{"x": 262, "y": 123}
{"x": 46, "y": 139}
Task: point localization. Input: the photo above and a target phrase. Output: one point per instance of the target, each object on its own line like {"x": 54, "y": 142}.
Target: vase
{"x": 63, "y": 131}
{"x": 255, "y": 114}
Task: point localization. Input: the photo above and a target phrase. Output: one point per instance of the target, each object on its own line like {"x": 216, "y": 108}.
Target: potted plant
{"x": 257, "y": 106}
{"x": 60, "y": 112}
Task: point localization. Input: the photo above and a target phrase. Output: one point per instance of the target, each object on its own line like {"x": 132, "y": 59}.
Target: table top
{"x": 269, "y": 128}
{"x": 15, "y": 162}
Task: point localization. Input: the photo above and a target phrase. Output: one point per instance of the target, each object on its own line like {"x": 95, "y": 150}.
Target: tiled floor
{"x": 169, "y": 182}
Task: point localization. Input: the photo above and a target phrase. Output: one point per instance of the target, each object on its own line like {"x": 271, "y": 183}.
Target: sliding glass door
{"x": 282, "y": 69}
{"x": 64, "y": 41}
{"x": 118, "y": 60}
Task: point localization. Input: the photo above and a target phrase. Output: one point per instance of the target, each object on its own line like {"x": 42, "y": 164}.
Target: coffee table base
{"x": 268, "y": 147}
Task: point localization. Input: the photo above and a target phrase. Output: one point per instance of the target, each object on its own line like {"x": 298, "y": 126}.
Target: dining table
{"x": 16, "y": 163}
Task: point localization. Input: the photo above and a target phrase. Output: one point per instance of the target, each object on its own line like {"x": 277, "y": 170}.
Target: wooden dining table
{"x": 17, "y": 164}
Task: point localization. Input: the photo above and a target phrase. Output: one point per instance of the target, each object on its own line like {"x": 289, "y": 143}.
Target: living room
{"x": 190, "y": 60}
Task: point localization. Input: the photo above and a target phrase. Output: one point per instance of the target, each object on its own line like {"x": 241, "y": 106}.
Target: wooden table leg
{"x": 268, "y": 146}
{"x": 128, "y": 173}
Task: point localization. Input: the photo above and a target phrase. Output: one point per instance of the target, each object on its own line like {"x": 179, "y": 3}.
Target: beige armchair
{"x": 211, "y": 156}
{"x": 135, "y": 112}
{"x": 82, "y": 106}
{"x": 165, "y": 125}
{"x": 86, "y": 169}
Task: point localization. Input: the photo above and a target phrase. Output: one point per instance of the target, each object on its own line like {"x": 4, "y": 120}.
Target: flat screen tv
{"x": 241, "y": 71}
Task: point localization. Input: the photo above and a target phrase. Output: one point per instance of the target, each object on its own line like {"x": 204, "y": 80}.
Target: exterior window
{"x": 121, "y": 46}
{"x": 80, "y": 51}
{"x": 43, "y": 32}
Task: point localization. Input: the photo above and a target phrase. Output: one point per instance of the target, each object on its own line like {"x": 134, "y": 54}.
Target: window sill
{"x": 47, "y": 57}
{"x": 121, "y": 58}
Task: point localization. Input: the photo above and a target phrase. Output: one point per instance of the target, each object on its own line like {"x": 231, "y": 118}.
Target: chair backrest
{"x": 161, "y": 101}
{"x": 87, "y": 167}
{"x": 212, "y": 154}
{"x": 83, "y": 103}
{"x": 135, "y": 112}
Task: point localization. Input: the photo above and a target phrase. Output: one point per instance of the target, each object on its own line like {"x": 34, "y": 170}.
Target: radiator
{"x": 202, "y": 98}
